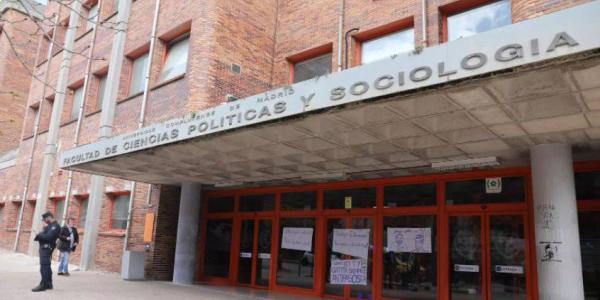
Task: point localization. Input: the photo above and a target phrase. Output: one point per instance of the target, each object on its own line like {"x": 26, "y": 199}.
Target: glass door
{"x": 488, "y": 256}
{"x": 254, "y": 266}
{"x": 349, "y": 258}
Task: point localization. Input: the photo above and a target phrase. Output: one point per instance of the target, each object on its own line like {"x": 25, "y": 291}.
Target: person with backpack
{"x": 47, "y": 240}
{"x": 69, "y": 238}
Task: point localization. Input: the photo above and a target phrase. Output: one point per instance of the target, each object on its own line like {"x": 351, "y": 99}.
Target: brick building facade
{"x": 237, "y": 48}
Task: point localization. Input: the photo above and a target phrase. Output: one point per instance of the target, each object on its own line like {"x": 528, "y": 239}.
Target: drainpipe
{"x": 50, "y": 150}
{"x": 347, "y": 35}
{"x": 86, "y": 81}
{"x": 36, "y": 128}
{"x": 340, "y": 34}
{"x": 142, "y": 117}
{"x": 424, "y": 21}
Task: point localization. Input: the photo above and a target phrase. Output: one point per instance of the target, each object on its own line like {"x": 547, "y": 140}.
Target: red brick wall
{"x": 17, "y": 57}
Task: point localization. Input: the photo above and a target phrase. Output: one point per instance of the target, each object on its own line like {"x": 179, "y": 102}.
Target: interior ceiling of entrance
{"x": 502, "y": 116}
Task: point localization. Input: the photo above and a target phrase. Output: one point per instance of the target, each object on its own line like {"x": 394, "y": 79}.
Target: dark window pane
{"x": 263, "y": 260}
{"x": 299, "y": 201}
{"x": 480, "y": 19}
{"x": 223, "y": 204}
{"x": 410, "y": 195}
{"x": 257, "y": 203}
{"x": 507, "y": 247}
{"x": 410, "y": 275}
{"x": 473, "y": 191}
{"x": 465, "y": 257}
{"x": 216, "y": 260}
{"x": 589, "y": 236}
{"x": 587, "y": 185}
{"x": 310, "y": 68}
{"x": 296, "y": 267}
{"x": 246, "y": 246}
{"x": 333, "y": 289}
{"x": 360, "y": 198}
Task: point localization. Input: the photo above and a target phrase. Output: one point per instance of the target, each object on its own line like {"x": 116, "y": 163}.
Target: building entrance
{"x": 459, "y": 236}
{"x": 488, "y": 255}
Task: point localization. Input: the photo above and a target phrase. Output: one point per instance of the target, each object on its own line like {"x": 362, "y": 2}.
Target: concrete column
{"x": 556, "y": 228}
{"x": 186, "y": 246}
{"x": 53, "y": 129}
{"x": 92, "y": 222}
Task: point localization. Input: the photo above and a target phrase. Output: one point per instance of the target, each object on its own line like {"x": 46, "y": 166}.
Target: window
{"x": 387, "y": 45}
{"x": 119, "y": 212}
{"x": 589, "y": 236}
{"x": 216, "y": 259}
{"x": 410, "y": 195}
{"x": 101, "y": 92}
{"x": 83, "y": 208}
{"x": 479, "y": 19}
{"x": 587, "y": 185}
{"x": 356, "y": 198}
{"x": 77, "y": 99}
{"x": 409, "y": 270}
{"x": 138, "y": 72}
{"x": 59, "y": 207}
{"x": 311, "y": 68}
{"x": 115, "y": 5}
{"x": 296, "y": 266}
{"x": 1, "y": 215}
{"x": 474, "y": 191}
{"x": 257, "y": 203}
{"x": 177, "y": 56}
{"x": 299, "y": 201}
{"x": 91, "y": 20}
{"x": 222, "y": 204}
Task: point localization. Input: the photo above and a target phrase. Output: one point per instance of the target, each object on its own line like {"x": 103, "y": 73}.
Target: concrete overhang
{"x": 494, "y": 94}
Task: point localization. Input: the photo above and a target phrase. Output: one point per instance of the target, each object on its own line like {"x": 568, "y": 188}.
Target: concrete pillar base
{"x": 187, "y": 234}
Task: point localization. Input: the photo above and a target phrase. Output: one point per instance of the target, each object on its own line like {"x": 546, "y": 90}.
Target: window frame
{"x": 168, "y": 44}
{"x": 368, "y": 35}
{"x": 132, "y": 59}
{"x": 74, "y": 108}
{"x": 113, "y": 198}
{"x": 80, "y": 199}
{"x": 306, "y": 55}
{"x": 458, "y": 7}
{"x": 2, "y": 215}
{"x": 98, "y": 77}
{"x": 55, "y": 201}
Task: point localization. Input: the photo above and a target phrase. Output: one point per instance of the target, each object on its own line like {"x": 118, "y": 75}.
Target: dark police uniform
{"x": 47, "y": 239}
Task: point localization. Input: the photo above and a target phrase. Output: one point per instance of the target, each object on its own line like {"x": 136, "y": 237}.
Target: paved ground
{"x": 19, "y": 273}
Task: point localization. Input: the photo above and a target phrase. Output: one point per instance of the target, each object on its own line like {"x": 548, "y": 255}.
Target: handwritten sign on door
{"x": 354, "y": 242}
{"x": 297, "y": 238}
{"x": 348, "y": 271}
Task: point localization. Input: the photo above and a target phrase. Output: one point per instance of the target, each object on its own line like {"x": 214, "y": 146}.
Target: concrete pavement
{"x": 19, "y": 273}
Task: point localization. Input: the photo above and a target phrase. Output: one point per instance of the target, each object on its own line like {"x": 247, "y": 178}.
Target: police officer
{"x": 47, "y": 239}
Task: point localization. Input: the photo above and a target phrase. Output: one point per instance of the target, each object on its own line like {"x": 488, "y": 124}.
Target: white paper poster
{"x": 412, "y": 240}
{"x": 297, "y": 238}
{"x": 348, "y": 271}
{"x": 354, "y": 242}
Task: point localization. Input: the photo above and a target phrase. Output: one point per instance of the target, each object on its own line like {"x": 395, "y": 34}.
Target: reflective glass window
{"x": 479, "y": 19}
{"x": 313, "y": 67}
{"x": 388, "y": 45}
